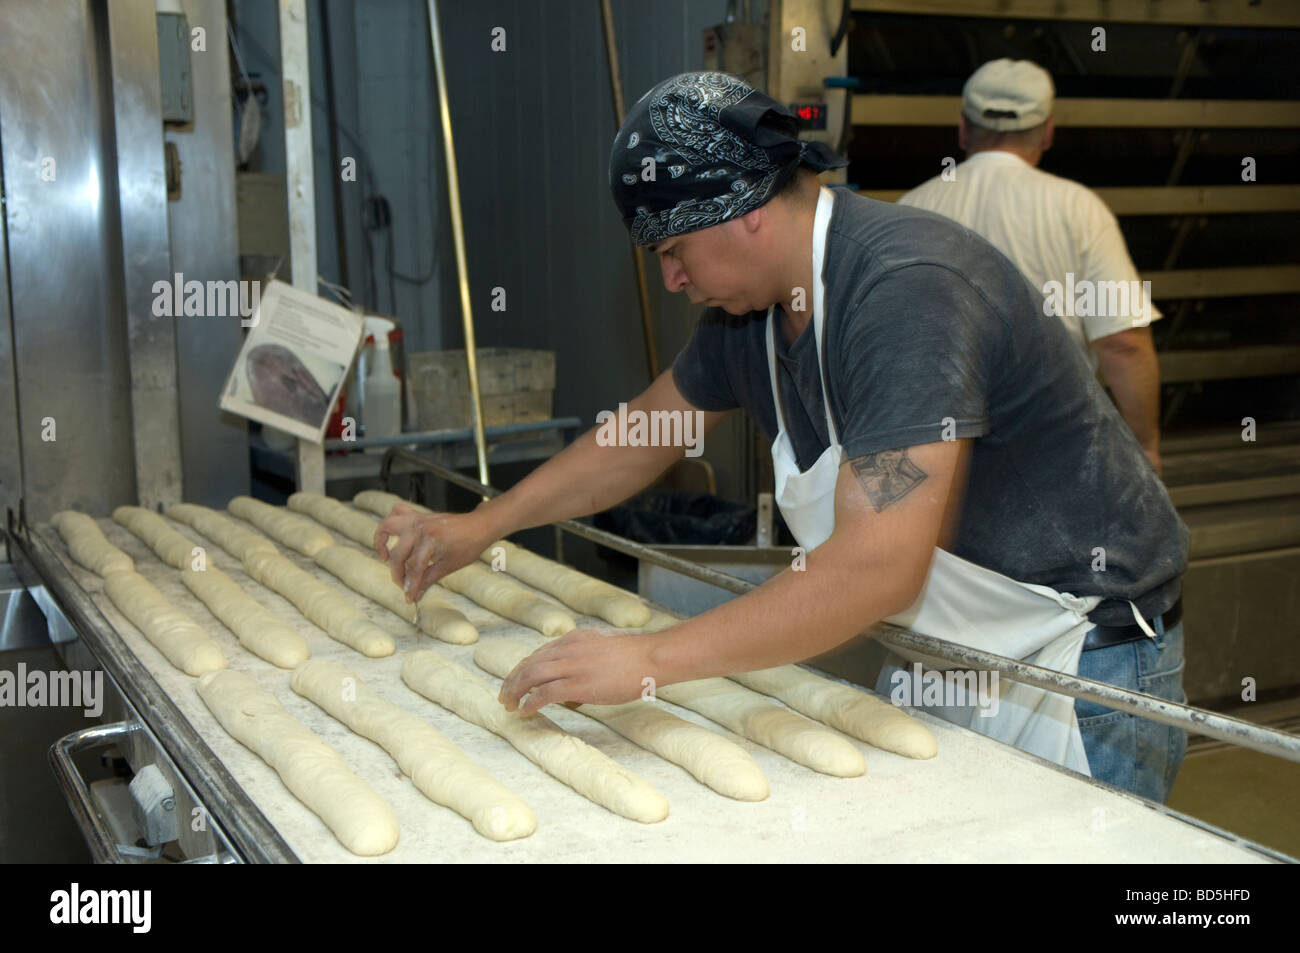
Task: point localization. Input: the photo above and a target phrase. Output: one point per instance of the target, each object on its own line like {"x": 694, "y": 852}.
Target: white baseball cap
{"x": 1007, "y": 95}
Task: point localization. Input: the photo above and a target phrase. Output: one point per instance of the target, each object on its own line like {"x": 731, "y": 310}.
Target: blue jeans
{"x": 1128, "y": 751}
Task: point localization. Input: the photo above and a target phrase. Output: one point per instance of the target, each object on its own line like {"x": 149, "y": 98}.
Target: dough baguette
{"x": 713, "y": 760}
{"x": 576, "y": 763}
{"x": 355, "y": 525}
{"x": 575, "y": 589}
{"x": 853, "y": 712}
{"x": 752, "y": 716}
{"x": 313, "y": 771}
{"x": 319, "y": 603}
{"x": 297, "y": 532}
{"x": 506, "y": 598}
{"x": 179, "y": 638}
{"x": 257, "y": 629}
{"x": 170, "y": 546}
{"x": 381, "y": 503}
{"x": 235, "y": 539}
{"x": 88, "y": 545}
{"x": 443, "y": 772}
{"x": 368, "y": 576}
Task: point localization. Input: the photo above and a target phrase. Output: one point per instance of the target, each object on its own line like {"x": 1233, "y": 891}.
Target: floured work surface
{"x": 976, "y": 801}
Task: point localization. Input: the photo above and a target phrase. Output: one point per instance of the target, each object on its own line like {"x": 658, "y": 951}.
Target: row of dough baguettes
{"x": 320, "y": 778}
{"x": 732, "y": 771}
{"x": 491, "y": 590}
{"x": 734, "y": 704}
{"x": 850, "y": 710}
{"x": 634, "y": 721}
{"x": 309, "y": 767}
{"x": 182, "y": 641}
{"x": 315, "y": 600}
{"x": 575, "y": 589}
{"x": 711, "y": 758}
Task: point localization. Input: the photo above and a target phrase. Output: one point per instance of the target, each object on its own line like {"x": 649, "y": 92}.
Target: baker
{"x": 940, "y": 451}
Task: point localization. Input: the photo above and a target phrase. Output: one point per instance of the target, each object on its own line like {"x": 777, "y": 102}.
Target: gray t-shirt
{"x": 925, "y": 321}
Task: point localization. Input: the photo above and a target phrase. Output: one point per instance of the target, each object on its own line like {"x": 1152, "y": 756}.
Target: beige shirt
{"x": 1060, "y": 235}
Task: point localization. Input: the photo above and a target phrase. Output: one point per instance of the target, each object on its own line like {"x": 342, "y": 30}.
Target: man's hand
{"x": 583, "y": 667}
{"x": 429, "y": 546}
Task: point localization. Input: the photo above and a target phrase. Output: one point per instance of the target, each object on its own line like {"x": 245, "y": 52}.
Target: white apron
{"x": 960, "y": 601}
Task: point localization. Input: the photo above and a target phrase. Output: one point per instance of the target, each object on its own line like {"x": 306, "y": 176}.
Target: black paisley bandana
{"x": 701, "y": 149}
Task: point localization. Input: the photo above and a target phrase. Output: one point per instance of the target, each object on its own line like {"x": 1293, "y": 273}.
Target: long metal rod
{"x": 1197, "y": 720}
{"x": 455, "y": 436}
{"x": 638, "y": 262}
{"x": 458, "y": 232}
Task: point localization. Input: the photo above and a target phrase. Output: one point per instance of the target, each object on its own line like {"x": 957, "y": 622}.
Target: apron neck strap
{"x": 821, "y": 224}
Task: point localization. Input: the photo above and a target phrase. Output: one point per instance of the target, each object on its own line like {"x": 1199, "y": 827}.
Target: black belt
{"x": 1104, "y": 636}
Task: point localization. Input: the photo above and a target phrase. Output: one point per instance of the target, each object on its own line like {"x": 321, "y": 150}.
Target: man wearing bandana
{"x": 943, "y": 457}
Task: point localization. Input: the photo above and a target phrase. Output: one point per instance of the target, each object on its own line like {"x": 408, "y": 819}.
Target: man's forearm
{"x": 794, "y": 616}
{"x": 1133, "y": 375}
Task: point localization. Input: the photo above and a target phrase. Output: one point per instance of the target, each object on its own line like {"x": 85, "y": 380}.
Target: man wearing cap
{"x": 944, "y": 459}
{"x": 1051, "y": 228}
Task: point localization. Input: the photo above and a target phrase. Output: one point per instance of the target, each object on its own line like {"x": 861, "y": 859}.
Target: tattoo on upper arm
{"x": 887, "y": 476}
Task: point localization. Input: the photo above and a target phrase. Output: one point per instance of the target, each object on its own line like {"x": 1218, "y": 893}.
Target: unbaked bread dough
{"x": 88, "y": 545}
{"x": 381, "y": 503}
{"x": 368, "y": 576}
{"x": 575, "y": 589}
{"x": 853, "y": 712}
{"x": 494, "y": 591}
{"x": 235, "y": 539}
{"x": 437, "y": 767}
{"x": 506, "y": 598}
{"x": 298, "y": 533}
{"x": 256, "y": 628}
{"x": 576, "y": 763}
{"x": 355, "y": 525}
{"x": 319, "y": 603}
{"x": 752, "y": 716}
{"x": 170, "y": 546}
{"x": 313, "y": 771}
{"x": 713, "y": 760}
{"x": 179, "y": 638}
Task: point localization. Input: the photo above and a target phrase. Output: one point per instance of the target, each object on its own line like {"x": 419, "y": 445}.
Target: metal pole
{"x": 1196, "y": 720}
{"x": 458, "y": 231}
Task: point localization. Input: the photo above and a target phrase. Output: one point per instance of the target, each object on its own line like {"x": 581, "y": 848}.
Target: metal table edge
{"x": 248, "y": 829}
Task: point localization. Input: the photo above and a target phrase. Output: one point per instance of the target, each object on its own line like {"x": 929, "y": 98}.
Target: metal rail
{"x": 103, "y": 846}
{"x": 435, "y": 437}
{"x": 1197, "y": 720}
